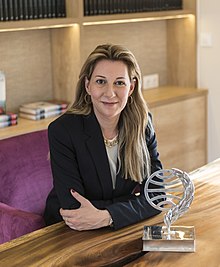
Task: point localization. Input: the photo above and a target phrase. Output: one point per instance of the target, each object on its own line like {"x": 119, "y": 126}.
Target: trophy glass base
{"x": 179, "y": 239}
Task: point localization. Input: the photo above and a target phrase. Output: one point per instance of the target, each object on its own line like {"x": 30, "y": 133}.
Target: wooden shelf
{"x": 135, "y": 17}
{"x": 168, "y": 94}
{"x": 7, "y": 26}
{"x": 25, "y": 126}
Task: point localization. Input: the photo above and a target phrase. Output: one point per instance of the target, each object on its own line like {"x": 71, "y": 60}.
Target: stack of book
{"x": 8, "y": 119}
{"x": 103, "y": 7}
{"x": 42, "y": 109}
{"x": 31, "y": 9}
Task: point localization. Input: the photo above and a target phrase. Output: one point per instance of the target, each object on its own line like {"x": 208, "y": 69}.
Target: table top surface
{"x": 58, "y": 245}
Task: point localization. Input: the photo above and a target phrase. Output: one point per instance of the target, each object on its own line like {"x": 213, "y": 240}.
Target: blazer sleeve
{"x": 137, "y": 208}
{"x": 64, "y": 165}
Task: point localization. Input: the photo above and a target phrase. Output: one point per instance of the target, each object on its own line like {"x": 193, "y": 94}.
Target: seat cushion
{"x": 25, "y": 177}
{"x": 15, "y": 223}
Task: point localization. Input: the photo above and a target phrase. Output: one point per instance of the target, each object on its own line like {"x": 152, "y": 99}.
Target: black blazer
{"x": 79, "y": 161}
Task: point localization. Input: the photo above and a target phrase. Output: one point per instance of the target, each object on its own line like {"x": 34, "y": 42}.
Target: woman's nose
{"x": 110, "y": 90}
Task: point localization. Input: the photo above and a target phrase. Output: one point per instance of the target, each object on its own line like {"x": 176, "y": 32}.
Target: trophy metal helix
{"x": 169, "y": 190}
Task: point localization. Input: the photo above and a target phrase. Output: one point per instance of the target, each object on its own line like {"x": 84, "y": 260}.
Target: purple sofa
{"x": 25, "y": 181}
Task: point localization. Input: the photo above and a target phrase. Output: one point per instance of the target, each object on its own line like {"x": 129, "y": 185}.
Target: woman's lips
{"x": 109, "y": 103}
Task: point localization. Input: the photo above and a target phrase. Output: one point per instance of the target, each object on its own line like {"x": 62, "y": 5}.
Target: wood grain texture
{"x": 25, "y": 57}
{"x": 204, "y": 215}
{"x": 65, "y": 48}
{"x": 180, "y": 120}
{"x": 58, "y": 245}
{"x": 181, "y": 52}
{"x": 25, "y": 126}
{"x": 169, "y": 94}
{"x": 181, "y": 130}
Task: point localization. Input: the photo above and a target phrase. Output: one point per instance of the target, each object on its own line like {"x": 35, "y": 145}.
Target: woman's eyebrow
{"x": 121, "y": 77}
{"x": 100, "y": 76}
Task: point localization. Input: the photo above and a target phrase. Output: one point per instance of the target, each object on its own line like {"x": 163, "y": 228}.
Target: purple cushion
{"x": 15, "y": 223}
{"x": 25, "y": 177}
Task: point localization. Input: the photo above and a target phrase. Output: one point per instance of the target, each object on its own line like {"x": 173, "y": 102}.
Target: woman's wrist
{"x": 107, "y": 218}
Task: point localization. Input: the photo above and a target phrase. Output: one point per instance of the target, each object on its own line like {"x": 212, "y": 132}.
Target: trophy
{"x": 169, "y": 190}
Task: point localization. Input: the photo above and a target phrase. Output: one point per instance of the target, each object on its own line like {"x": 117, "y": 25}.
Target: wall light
{"x": 115, "y": 21}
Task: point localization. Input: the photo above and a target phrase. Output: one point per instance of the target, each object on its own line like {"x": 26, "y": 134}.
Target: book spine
{"x": 25, "y": 9}
{"x": 53, "y": 8}
{"x": 49, "y": 8}
{"x": 1, "y": 11}
{"x": 107, "y": 9}
{"x": 40, "y": 116}
{"x": 20, "y": 10}
{"x": 5, "y": 10}
{"x": 86, "y": 7}
{"x": 40, "y": 9}
{"x": 30, "y": 9}
{"x": 8, "y": 117}
{"x": 2, "y": 93}
{"x": 63, "y": 8}
{"x": 35, "y": 9}
{"x": 10, "y": 10}
{"x": 38, "y": 111}
{"x": 8, "y": 123}
{"x": 45, "y": 9}
{"x": 15, "y": 9}
{"x": 58, "y": 8}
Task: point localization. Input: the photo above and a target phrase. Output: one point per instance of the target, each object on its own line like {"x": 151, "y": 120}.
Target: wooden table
{"x": 58, "y": 245}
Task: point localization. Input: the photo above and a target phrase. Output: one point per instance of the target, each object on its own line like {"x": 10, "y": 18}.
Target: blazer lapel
{"x": 97, "y": 150}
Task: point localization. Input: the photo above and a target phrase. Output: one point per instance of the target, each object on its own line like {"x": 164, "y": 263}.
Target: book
{"x": 30, "y": 9}
{"x": 8, "y": 117}
{"x": 1, "y": 11}
{"x": 41, "y": 107}
{"x": 4, "y": 124}
{"x": 10, "y": 10}
{"x": 15, "y": 9}
{"x": 41, "y": 116}
{"x": 86, "y": 7}
{"x": 35, "y": 9}
{"x": 63, "y": 104}
{"x": 25, "y": 9}
{"x": 20, "y": 9}
{"x": 5, "y": 10}
{"x": 2, "y": 93}
{"x": 45, "y": 9}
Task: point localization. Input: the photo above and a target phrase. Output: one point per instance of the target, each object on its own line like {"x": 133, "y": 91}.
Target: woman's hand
{"x": 86, "y": 217}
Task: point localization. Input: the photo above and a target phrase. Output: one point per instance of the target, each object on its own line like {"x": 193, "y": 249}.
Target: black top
{"x": 79, "y": 161}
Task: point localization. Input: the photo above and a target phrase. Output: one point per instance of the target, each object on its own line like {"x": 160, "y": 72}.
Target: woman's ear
{"x": 132, "y": 86}
{"x": 87, "y": 85}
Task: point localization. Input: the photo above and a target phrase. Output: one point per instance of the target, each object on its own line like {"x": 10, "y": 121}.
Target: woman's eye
{"x": 120, "y": 83}
{"x": 100, "y": 81}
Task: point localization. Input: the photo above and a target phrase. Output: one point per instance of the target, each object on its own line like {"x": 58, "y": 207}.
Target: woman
{"x": 104, "y": 148}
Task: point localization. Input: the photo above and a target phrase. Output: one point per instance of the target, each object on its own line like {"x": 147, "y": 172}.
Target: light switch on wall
{"x": 206, "y": 39}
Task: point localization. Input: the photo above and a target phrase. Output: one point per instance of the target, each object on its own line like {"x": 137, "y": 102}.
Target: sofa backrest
{"x": 25, "y": 173}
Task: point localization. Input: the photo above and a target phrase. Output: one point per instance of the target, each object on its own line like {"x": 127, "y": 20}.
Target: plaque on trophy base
{"x": 179, "y": 239}
{"x": 169, "y": 190}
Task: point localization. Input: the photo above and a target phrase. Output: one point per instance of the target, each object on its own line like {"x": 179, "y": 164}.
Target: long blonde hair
{"x": 133, "y": 153}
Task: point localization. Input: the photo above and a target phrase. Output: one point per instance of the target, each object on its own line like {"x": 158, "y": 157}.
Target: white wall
{"x": 209, "y": 68}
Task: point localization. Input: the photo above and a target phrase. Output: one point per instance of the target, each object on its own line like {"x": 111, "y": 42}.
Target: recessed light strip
{"x": 37, "y": 27}
{"x": 103, "y": 22}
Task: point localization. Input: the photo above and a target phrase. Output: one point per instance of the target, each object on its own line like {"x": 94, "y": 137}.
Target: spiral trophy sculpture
{"x": 169, "y": 190}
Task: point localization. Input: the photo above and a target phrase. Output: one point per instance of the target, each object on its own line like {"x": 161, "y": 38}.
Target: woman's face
{"x": 109, "y": 88}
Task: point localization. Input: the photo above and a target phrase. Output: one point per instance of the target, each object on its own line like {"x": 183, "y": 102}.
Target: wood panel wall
{"x": 25, "y": 57}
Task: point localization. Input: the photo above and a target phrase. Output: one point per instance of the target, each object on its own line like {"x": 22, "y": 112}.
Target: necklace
{"x": 112, "y": 142}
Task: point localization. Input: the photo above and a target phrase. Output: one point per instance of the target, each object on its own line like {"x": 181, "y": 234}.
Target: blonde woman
{"x": 104, "y": 148}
